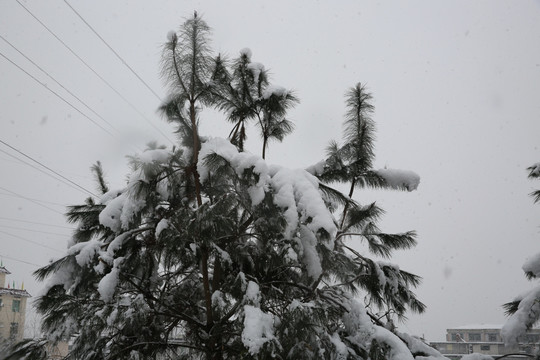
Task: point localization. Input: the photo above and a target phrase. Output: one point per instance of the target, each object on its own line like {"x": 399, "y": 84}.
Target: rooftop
{"x": 3, "y": 270}
{"x": 14, "y": 292}
{"x": 477, "y": 327}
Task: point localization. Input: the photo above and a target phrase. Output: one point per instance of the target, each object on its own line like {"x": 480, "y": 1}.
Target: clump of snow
{"x": 109, "y": 195}
{"x": 380, "y": 274}
{"x": 357, "y": 323}
{"x": 240, "y": 161}
{"x": 527, "y": 314}
{"x": 258, "y": 328}
{"x": 218, "y": 300}
{"x": 291, "y": 255}
{"x": 341, "y": 349}
{"x": 129, "y": 209}
{"x": 162, "y": 225}
{"x": 416, "y": 345}
{"x": 363, "y": 331}
{"x": 116, "y": 244}
{"x": 317, "y": 169}
{"x": 85, "y": 251}
{"x": 223, "y": 255}
{"x": 256, "y": 69}
{"x": 252, "y": 294}
{"x": 154, "y": 156}
{"x": 110, "y": 216}
{"x": 532, "y": 265}
{"x": 112, "y": 317}
{"x": 107, "y": 284}
{"x": 297, "y": 304}
{"x": 119, "y": 211}
{"x": 310, "y": 255}
{"x": 398, "y": 349}
{"x": 278, "y": 91}
{"x": 63, "y": 277}
{"x": 400, "y": 179}
{"x": 391, "y": 279}
{"x": 297, "y": 191}
{"x": 246, "y": 52}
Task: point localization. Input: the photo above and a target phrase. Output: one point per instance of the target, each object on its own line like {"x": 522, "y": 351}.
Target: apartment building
{"x": 485, "y": 339}
{"x": 12, "y": 309}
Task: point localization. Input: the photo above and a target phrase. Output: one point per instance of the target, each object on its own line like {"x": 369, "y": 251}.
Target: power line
{"x": 38, "y": 169}
{"x": 99, "y": 76}
{"x": 36, "y": 223}
{"x": 58, "y": 83}
{"x": 31, "y": 200}
{"x": 56, "y": 94}
{"x": 21, "y": 261}
{"x": 40, "y": 201}
{"x": 35, "y": 231}
{"x": 114, "y": 52}
{"x": 31, "y": 241}
{"x": 48, "y": 168}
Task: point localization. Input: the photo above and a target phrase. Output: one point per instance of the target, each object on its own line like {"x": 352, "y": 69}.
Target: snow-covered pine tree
{"x": 524, "y": 310}
{"x": 209, "y": 252}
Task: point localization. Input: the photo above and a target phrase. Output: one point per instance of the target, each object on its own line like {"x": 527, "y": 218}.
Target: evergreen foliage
{"x": 524, "y": 310}
{"x": 208, "y": 252}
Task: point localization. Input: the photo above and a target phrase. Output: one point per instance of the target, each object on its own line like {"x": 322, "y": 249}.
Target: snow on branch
{"x": 258, "y": 328}
{"x": 531, "y": 267}
{"x": 527, "y": 314}
{"x": 400, "y": 179}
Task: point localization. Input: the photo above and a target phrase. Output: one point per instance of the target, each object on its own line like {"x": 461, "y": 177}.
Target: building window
{"x": 16, "y": 305}
{"x": 532, "y": 338}
{"x": 13, "y": 330}
{"x": 474, "y": 337}
{"x": 457, "y": 337}
{"x": 492, "y": 337}
{"x": 484, "y": 347}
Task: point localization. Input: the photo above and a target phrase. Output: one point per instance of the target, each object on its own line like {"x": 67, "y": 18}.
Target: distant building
{"x": 12, "y": 310}
{"x": 485, "y": 339}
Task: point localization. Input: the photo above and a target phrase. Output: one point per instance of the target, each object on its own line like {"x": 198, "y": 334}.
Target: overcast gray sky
{"x": 456, "y": 87}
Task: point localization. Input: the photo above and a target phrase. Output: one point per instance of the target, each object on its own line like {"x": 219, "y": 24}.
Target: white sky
{"x": 456, "y": 87}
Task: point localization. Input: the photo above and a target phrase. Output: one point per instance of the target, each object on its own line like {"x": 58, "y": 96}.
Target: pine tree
{"x": 208, "y": 252}
{"x": 524, "y": 310}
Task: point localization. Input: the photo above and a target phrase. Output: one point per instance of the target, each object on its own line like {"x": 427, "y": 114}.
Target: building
{"x": 12, "y": 310}
{"x": 485, "y": 339}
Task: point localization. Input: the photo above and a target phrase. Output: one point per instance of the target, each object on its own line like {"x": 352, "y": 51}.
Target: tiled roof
{"x": 14, "y": 292}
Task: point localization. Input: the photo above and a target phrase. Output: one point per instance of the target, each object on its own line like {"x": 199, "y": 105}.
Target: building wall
{"x": 9, "y": 317}
{"x": 486, "y": 341}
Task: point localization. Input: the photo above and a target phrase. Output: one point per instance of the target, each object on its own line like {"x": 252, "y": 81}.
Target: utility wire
{"x": 38, "y": 169}
{"x": 36, "y": 223}
{"x": 58, "y": 83}
{"x": 67, "y": 90}
{"x": 31, "y": 241}
{"x": 114, "y": 52}
{"x": 48, "y": 168}
{"x": 35, "y": 231}
{"x": 21, "y": 261}
{"x": 40, "y": 201}
{"x": 31, "y": 200}
{"x": 56, "y": 94}
{"x": 99, "y": 76}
